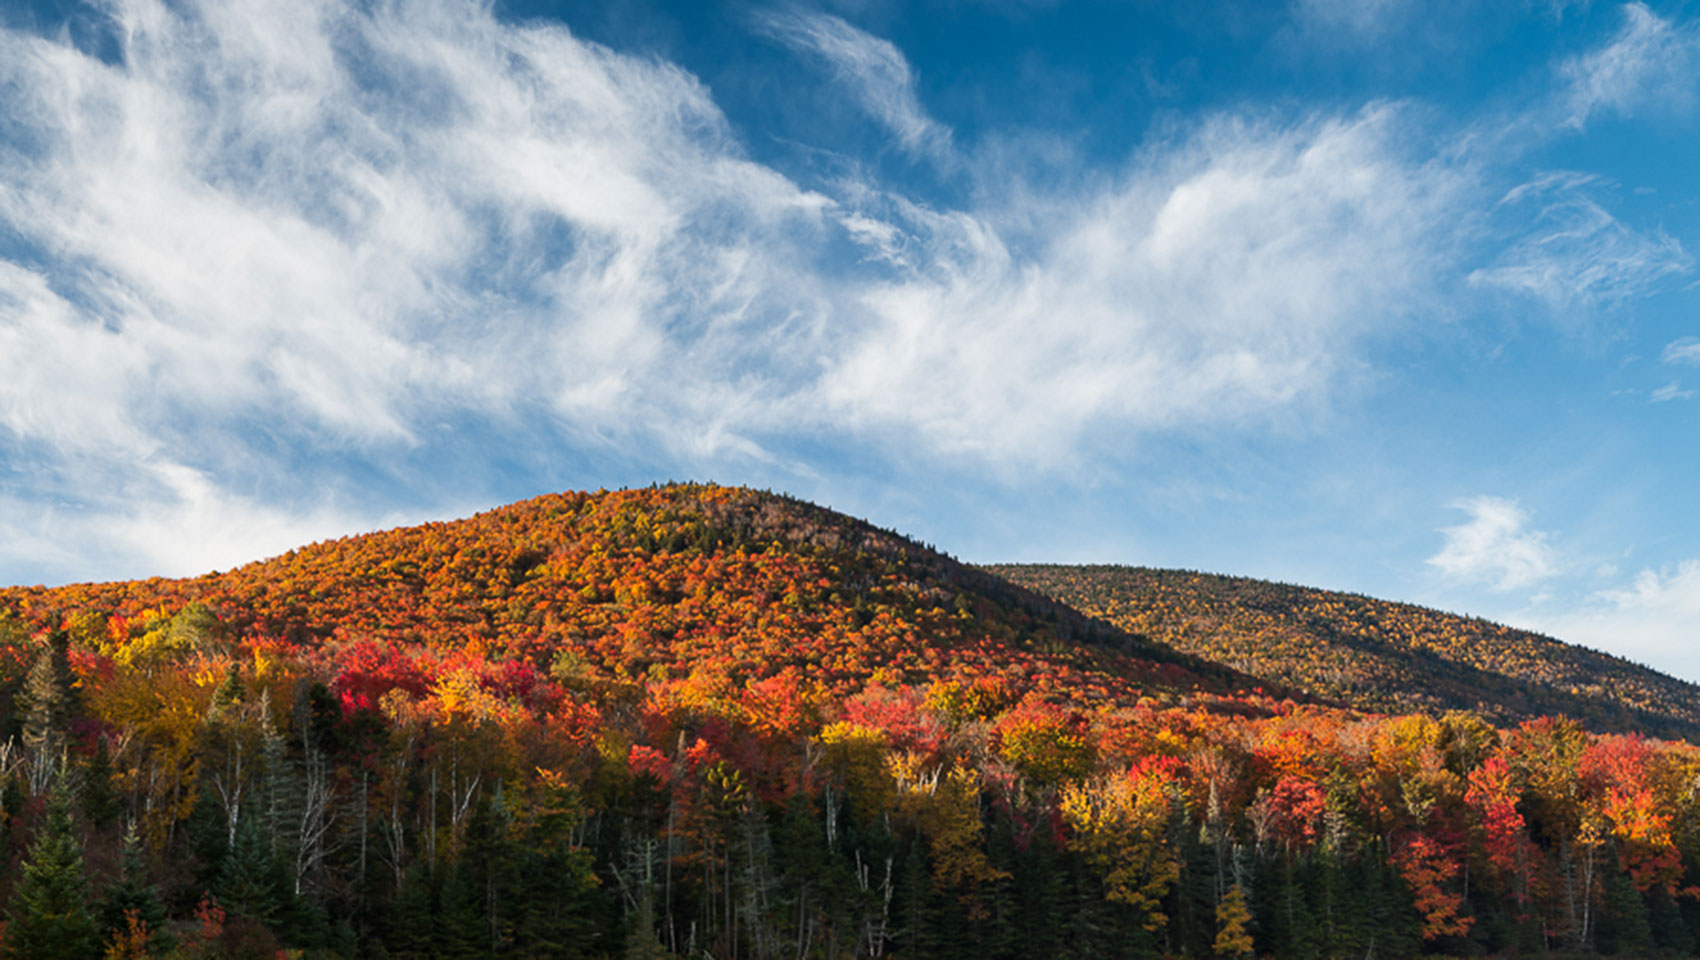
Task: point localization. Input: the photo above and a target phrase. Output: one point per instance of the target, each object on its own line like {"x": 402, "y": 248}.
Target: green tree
{"x": 50, "y": 919}
{"x": 101, "y": 805}
{"x": 133, "y": 892}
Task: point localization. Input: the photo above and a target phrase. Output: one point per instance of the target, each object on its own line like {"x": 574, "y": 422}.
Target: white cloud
{"x": 304, "y": 226}
{"x": 1650, "y": 62}
{"x": 876, "y": 72}
{"x": 1228, "y": 277}
{"x": 270, "y": 232}
{"x": 1654, "y": 620}
{"x": 1577, "y": 254}
{"x": 1495, "y": 547}
{"x": 1684, "y": 350}
{"x": 1670, "y": 391}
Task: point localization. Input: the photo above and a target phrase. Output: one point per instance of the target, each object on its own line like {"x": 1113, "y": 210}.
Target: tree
{"x": 131, "y": 911}
{"x": 49, "y": 703}
{"x": 1233, "y": 919}
{"x": 50, "y": 917}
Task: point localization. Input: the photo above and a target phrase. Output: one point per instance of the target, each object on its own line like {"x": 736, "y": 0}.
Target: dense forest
{"x": 1372, "y": 654}
{"x": 697, "y": 722}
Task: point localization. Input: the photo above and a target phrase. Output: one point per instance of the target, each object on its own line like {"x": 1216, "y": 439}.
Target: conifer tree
{"x": 100, "y": 801}
{"x": 410, "y": 931}
{"x": 49, "y": 919}
{"x": 133, "y": 894}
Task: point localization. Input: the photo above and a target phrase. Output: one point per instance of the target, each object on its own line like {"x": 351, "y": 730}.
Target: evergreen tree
{"x": 463, "y": 931}
{"x": 252, "y": 882}
{"x": 1624, "y": 928}
{"x": 641, "y": 943}
{"x": 101, "y": 805}
{"x": 133, "y": 893}
{"x": 1665, "y": 919}
{"x": 410, "y": 932}
{"x": 50, "y": 919}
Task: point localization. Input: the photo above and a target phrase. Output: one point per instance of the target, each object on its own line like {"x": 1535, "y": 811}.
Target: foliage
{"x": 696, "y": 721}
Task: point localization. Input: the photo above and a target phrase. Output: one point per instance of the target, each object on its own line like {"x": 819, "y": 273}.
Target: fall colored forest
{"x": 1372, "y": 654}
{"x": 706, "y": 722}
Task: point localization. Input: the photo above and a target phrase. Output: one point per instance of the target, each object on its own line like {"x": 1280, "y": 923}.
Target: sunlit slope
{"x": 703, "y": 587}
{"x": 1372, "y": 653}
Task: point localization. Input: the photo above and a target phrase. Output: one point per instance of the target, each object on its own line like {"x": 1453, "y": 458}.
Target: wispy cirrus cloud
{"x": 240, "y": 239}
{"x": 1685, "y": 350}
{"x": 1233, "y": 274}
{"x": 875, "y": 72}
{"x": 1670, "y": 391}
{"x": 1495, "y": 547}
{"x": 1576, "y": 253}
{"x": 1651, "y": 61}
{"x": 268, "y": 253}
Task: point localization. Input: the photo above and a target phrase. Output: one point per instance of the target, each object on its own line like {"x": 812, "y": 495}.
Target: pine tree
{"x": 410, "y": 934}
{"x": 133, "y": 895}
{"x": 252, "y": 882}
{"x": 1233, "y": 922}
{"x": 50, "y": 917}
{"x": 100, "y": 801}
{"x": 1665, "y": 918}
{"x": 641, "y": 943}
{"x": 1624, "y": 929}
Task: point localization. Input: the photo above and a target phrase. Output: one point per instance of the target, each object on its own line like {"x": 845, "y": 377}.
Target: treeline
{"x": 232, "y": 807}
{"x": 1372, "y": 654}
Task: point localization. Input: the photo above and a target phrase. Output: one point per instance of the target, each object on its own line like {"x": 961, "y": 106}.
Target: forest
{"x": 1372, "y": 654}
{"x": 706, "y": 722}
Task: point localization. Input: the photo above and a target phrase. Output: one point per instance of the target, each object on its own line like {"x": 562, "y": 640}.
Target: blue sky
{"x": 1375, "y": 295}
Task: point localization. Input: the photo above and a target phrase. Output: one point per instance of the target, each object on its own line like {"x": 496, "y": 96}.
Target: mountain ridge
{"x": 1374, "y": 654}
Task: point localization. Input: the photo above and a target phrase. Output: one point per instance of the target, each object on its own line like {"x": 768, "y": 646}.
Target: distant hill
{"x": 1372, "y": 654}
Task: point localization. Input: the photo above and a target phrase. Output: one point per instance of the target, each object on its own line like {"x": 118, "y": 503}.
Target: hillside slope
{"x": 706, "y": 588}
{"x": 1372, "y": 654}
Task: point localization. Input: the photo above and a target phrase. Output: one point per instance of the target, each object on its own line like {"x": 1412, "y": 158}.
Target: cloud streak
{"x": 876, "y": 73}
{"x": 1651, "y": 62}
{"x": 1578, "y": 255}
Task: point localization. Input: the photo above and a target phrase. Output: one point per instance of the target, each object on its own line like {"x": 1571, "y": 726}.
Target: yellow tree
{"x": 1233, "y": 940}
{"x": 1120, "y": 824}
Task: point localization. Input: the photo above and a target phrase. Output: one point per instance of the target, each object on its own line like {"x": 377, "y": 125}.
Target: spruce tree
{"x": 50, "y": 919}
{"x": 133, "y": 892}
{"x": 1624, "y": 929}
{"x": 100, "y": 801}
{"x": 410, "y": 933}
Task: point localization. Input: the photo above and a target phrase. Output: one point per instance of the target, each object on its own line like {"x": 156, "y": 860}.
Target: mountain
{"x": 1372, "y": 654}
{"x": 693, "y": 585}
{"x": 697, "y": 721}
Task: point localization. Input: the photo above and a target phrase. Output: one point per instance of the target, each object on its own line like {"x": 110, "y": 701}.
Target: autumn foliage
{"x": 698, "y": 721}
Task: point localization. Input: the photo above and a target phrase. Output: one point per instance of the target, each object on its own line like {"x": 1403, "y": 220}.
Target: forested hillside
{"x": 1372, "y": 654}
{"x": 702, "y": 722}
